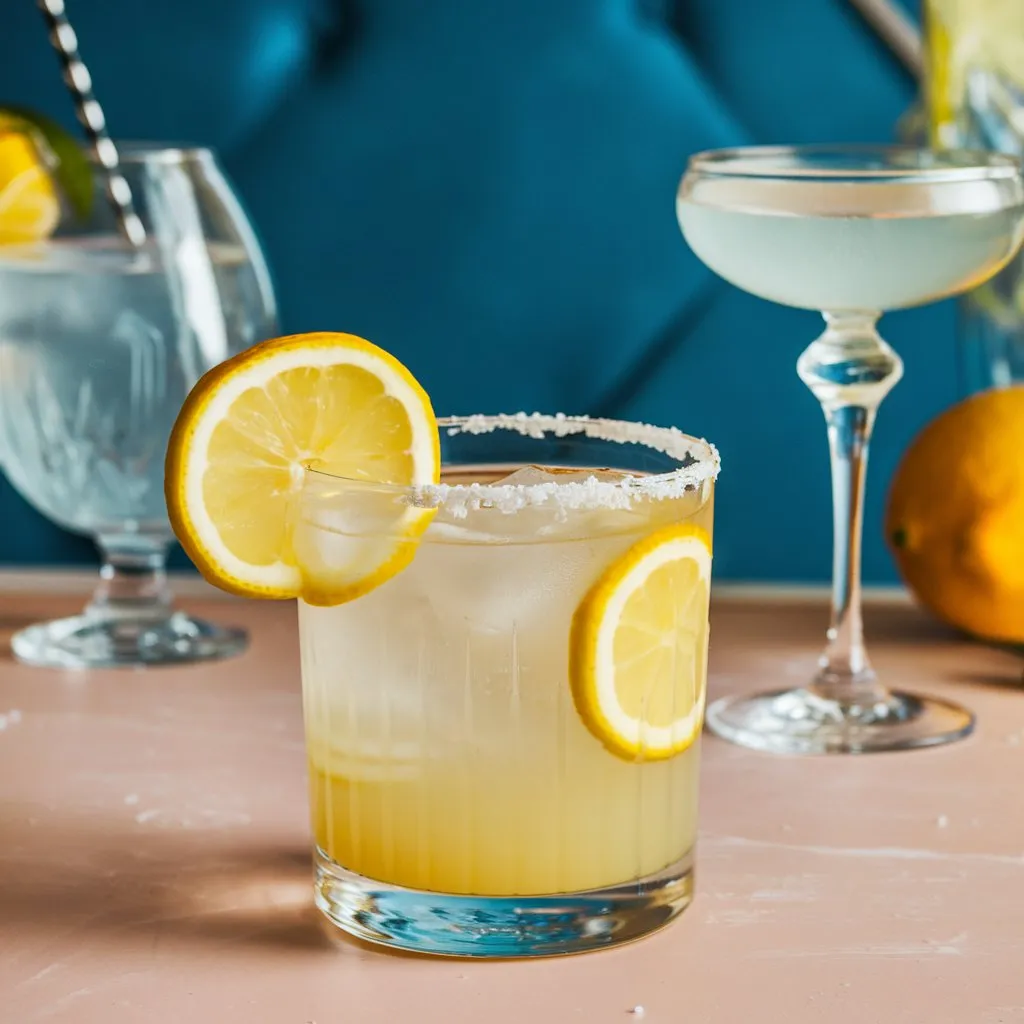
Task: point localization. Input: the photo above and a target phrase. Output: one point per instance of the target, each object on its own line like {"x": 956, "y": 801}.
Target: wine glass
{"x": 100, "y": 342}
{"x": 849, "y": 231}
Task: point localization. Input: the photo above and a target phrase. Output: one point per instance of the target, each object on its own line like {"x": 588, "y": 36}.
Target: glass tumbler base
{"x": 801, "y": 722}
{"x": 89, "y": 641}
{"x": 500, "y": 926}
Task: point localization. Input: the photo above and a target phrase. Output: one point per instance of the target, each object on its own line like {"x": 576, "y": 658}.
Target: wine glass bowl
{"x": 851, "y": 228}
{"x": 100, "y": 342}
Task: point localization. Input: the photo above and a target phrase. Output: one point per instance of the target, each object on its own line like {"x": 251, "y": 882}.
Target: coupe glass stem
{"x": 133, "y": 580}
{"x": 849, "y": 369}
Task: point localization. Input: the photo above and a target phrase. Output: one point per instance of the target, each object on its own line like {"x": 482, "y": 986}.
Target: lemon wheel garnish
{"x": 638, "y": 646}
{"x": 239, "y": 449}
{"x": 29, "y": 205}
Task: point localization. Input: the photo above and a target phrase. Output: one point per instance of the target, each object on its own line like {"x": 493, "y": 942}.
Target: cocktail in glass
{"x": 468, "y": 797}
{"x": 850, "y": 232}
{"x": 100, "y": 342}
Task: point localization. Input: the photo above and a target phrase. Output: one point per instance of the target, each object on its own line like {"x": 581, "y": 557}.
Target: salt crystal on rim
{"x": 700, "y": 463}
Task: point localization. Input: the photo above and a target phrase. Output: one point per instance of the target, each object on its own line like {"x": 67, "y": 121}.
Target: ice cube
{"x": 363, "y": 672}
{"x": 559, "y": 505}
{"x": 502, "y": 565}
{"x": 554, "y": 513}
{"x": 527, "y": 476}
{"x": 587, "y": 515}
{"x": 498, "y": 588}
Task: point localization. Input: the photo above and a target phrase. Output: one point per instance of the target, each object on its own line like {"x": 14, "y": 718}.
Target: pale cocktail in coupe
{"x": 857, "y": 257}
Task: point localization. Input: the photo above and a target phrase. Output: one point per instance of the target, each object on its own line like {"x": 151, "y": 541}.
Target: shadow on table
{"x": 803, "y": 624}
{"x": 899, "y": 624}
{"x": 117, "y": 884}
{"x": 1010, "y": 679}
{"x": 904, "y": 633}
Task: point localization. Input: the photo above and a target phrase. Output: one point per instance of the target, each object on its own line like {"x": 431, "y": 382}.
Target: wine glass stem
{"x": 850, "y": 369}
{"x": 133, "y": 579}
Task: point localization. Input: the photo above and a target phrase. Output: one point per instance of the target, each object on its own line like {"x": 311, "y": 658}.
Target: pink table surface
{"x": 154, "y": 861}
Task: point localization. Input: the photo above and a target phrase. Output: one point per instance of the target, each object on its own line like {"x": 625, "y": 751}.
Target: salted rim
{"x": 703, "y": 464}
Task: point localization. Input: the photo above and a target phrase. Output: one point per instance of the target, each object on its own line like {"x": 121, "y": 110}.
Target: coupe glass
{"x": 461, "y": 802}
{"x": 849, "y": 232}
{"x": 100, "y": 343}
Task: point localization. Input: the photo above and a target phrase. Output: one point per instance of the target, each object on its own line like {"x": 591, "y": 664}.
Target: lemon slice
{"x": 237, "y": 459}
{"x": 638, "y": 647}
{"x": 29, "y": 204}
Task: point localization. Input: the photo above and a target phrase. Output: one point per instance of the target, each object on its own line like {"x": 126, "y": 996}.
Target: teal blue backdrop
{"x": 486, "y": 188}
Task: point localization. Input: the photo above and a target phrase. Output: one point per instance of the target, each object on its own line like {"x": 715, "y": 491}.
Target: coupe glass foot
{"x": 801, "y": 722}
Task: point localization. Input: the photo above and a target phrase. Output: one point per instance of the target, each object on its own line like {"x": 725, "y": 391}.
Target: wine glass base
{"x": 89, "y": 641}
{"x": 801, "y": 722}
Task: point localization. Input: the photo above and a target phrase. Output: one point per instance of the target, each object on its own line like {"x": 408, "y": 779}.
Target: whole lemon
{"x": 955, "y": 518}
